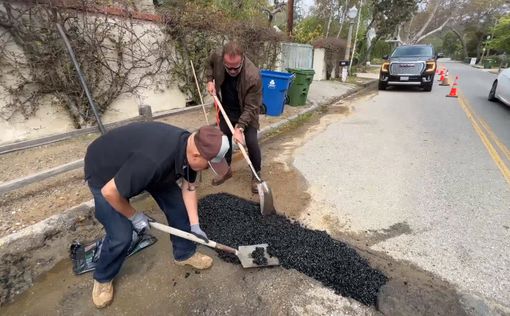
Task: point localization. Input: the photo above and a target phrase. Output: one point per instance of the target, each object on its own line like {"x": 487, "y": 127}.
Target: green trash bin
{"x": 298, "y": 91}
{"x": 488, "y": 63}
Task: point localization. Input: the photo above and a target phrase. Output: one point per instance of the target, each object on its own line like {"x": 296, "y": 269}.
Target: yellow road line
{"x": 485, "y": 139}
{"x": 502, "y": 147}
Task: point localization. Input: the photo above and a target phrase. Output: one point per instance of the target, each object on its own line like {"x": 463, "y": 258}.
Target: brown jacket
{"x": 249, "y": 87}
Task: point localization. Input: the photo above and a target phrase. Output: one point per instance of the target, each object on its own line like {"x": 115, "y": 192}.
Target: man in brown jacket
{"x": 236, "y": 81}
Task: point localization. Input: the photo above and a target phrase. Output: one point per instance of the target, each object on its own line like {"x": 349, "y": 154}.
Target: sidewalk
{"x": 321, "y": 92}
{"x": 49, "y": 222}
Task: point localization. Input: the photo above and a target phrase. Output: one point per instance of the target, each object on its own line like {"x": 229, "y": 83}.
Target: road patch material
{"x": 235, "y": 221}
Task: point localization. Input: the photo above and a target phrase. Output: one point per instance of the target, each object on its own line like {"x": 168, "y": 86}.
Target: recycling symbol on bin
{"x": 271, "y": 84}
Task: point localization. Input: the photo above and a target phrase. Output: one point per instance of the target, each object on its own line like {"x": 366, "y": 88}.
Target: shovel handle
{"x": 227, "y": 249}
{"x": 188, "y": 236}
{"x": 241, "y": 146}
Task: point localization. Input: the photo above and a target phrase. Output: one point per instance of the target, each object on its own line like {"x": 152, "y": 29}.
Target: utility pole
{"x": 290, "y": 17}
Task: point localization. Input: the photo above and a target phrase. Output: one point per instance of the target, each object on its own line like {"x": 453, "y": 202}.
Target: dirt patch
{"x": 27, "y": 206}
{"x": 376, "y": 236}
{"x": 33, "y": 203}
{"x": 29, "y": 161}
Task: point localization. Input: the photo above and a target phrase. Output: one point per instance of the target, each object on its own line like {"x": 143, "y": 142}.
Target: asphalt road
{"x": 423, "y": 178}
{"x": 475, "y": 85}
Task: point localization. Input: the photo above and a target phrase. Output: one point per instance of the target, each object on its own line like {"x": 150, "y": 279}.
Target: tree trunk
{"x": 72, "y": 110}
{"x": 329, "y": 23}
{"x": 461, "y": 39}
{"x": 371, "y": 48}
{"x": 407, "y": 34}
{"x": 290, "y": 17}
{"x": 342, "y": 16}
{"x": 479, "y": 48}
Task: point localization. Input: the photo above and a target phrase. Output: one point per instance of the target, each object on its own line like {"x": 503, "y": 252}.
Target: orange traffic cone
{"x": 441, "y": 75}
{"x": 445, "y": 81}
{"x": 453, "y": 91}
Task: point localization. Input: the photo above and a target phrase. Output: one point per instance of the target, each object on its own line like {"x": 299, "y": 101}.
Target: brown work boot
{"x": 197, "y": 261}
{"x": 254, "y": 184}
{"x": 219, "y": 180}
{"x": 102, "y": 294}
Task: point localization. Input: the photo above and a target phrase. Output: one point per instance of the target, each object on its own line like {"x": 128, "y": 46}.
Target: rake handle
{"x": 188, "y": 236}
{"x": 241, "y": 147}
{"x": 199, "y": 92}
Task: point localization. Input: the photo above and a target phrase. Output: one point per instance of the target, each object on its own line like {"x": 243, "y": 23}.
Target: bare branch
{"x": 426, "y": 24}
{"x": 440, "y": 28}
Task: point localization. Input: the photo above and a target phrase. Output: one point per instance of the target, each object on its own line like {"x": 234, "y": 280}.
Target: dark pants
{"x": 250, "y": 137}
{"x": 119, "y": 230}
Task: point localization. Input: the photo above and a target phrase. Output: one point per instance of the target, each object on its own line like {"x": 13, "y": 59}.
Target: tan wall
{"x": 52, "y": 118}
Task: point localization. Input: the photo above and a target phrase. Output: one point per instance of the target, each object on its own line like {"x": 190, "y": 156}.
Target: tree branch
{"x": 433, "y": 31}
{"x": 426, "y": 24}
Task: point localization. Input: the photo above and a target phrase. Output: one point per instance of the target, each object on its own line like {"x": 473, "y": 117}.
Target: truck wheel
{"x": 382, "y": 85}
{"x": 427, "y": 87}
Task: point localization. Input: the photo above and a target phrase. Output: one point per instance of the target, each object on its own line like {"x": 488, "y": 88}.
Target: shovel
{"x": 265, "y": 193}
{"x": 244, "y": 253}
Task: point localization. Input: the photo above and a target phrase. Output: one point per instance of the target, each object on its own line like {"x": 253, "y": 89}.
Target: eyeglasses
{"x": 233, "y": 69}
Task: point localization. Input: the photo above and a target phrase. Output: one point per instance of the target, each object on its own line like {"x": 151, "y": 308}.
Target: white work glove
{"x": 198, "y": 232}
{"x": 140, "y": 222}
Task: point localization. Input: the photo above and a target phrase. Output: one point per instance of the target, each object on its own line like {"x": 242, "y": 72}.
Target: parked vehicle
{"x": 409, "y": 65}
{"x": 501, "y": 88}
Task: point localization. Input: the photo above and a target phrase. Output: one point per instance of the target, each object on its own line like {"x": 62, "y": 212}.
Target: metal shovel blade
{"x": 266, "y": 199}
{"x": 245, "y": 255}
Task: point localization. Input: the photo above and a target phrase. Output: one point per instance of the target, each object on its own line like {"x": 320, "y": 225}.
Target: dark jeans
{"x": 250, "y": 136}
{"x": 119, "y": 230}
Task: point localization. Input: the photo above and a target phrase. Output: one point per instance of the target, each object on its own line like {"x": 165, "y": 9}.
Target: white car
{"x": 501, "y": 88}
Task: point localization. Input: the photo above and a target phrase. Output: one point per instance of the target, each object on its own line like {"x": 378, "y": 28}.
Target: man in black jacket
{"x": 148, "y": 156}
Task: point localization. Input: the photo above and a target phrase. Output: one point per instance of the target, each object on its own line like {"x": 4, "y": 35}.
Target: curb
{"x": 29, "y": 253}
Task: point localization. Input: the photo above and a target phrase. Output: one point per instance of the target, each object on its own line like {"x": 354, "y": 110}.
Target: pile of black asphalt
{"x": 237, "y": 222}
{"x": 258, "y": 256}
